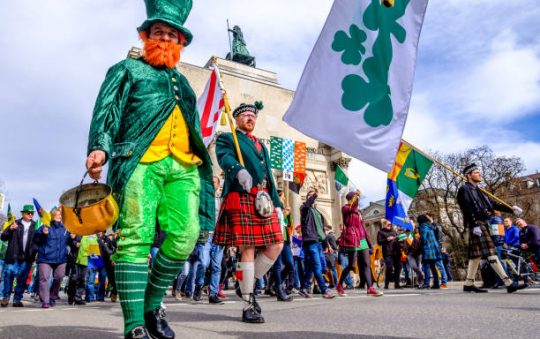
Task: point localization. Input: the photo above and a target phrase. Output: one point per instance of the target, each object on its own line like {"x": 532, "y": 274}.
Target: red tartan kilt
{"x": 243, "y": 227}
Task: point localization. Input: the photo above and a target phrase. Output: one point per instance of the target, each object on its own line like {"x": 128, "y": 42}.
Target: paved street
{"x": 400, "y": 313}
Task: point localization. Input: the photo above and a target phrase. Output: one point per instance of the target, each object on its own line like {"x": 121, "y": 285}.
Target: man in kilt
{"x": 477, "y": 208}
{"x": 239, "y": 223}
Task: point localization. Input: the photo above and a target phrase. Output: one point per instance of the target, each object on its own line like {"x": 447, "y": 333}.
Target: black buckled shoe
{"x": 157, "y": 325}
{"x": 473, "y": 288}
{"x": 515, "y": 286}
{"x": 138, "y": 332}
{"x": 18, "y": 304}
{"x": 252, "y": 313}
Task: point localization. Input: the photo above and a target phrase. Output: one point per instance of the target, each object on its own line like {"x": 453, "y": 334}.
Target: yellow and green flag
{"x": 410, "y": 169}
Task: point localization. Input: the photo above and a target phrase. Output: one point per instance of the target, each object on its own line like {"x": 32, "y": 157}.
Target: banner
{"x": 288, "y": 160}
{"x": 209, "y": 105}
{"x": 410, "y": 169}
{"x": 341, "y": 180}
{"x": 355, "y": 90}
{"x": 276, "y": 153}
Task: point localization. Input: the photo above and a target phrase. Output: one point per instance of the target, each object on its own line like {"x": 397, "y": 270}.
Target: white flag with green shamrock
{"x": 356, "y": 87}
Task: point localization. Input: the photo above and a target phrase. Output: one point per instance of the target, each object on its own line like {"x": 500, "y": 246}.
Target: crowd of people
{"x": 36, "y": 259}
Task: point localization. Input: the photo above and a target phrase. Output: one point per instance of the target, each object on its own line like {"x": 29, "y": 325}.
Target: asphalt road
{"x": 398, "y": 314}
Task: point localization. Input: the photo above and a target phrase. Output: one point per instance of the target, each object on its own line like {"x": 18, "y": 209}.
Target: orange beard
{"x": 161, "y": 53}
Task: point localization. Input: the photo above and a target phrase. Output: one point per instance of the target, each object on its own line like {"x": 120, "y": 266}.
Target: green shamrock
{"x": 375, "y": 92}
{"x": 352, "y": 46}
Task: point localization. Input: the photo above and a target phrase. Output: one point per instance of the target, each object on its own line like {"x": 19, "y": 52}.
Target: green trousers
{"x": 166, "y": 191}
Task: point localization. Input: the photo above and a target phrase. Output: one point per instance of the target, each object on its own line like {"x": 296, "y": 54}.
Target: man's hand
{"x": 45, "y": 230}
{"x": 524, "y": 246}
{"x": 517, "y": 210}
{"x": 94, "y": 164}
{"x": 390, "y": 238}
{"x": 245, "y": 179}
{"x": 477, "y": 231}
{"x": 14, "y": 226}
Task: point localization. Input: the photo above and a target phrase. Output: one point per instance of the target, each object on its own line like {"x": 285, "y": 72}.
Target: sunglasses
{"x": 29, "y": 213}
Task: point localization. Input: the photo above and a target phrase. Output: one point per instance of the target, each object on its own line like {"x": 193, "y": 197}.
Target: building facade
{"x": 245, "y": 84}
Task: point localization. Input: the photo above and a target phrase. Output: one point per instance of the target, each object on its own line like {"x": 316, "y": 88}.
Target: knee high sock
{"x": 262, "y": 265}
{"x": 131, "y": 281}
{"x": 471, "y": 271}
{"x": 246, "y": 278}
{"x": 497, "y": 267}
{"x": 164, "y": 270}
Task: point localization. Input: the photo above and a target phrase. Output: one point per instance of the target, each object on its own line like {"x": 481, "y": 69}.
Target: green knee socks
{"x": 164, "y": 271}
{"x": 131, "y": 280}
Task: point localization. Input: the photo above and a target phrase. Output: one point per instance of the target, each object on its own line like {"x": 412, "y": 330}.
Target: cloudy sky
{"x": 477, "y": 79}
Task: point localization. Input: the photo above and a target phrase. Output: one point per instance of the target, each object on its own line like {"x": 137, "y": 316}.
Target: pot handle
{"x": 76, "y": 209}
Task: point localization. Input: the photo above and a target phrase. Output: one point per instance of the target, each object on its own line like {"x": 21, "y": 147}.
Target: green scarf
{"x": 318, "y": 223}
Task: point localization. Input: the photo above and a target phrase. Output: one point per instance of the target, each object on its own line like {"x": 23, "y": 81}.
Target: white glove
{"x": 279, "y": 213}
{"x": 477, "y": 231}
{"x": 245, "y": 179}
{"x": 517, "y": 210}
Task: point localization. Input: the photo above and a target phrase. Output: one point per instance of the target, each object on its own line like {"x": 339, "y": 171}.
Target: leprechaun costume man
{"x": 146, "y": 126}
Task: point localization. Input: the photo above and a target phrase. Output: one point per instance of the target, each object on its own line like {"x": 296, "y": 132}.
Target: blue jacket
{"x": 429, "y": 243}
{"x": 52, "y": 247}
{"x": 511, "y": 236}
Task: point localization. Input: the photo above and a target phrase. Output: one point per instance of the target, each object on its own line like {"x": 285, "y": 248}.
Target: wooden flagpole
{"x": 229, "y": 117}
{"x": 448, "y": 168}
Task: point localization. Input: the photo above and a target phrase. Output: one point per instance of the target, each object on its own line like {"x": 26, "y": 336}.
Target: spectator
{"x": 20, "y": 255}
{"x": 330, "y": 248}
{"x": 430, "y": 249}
{"x": 414, "y": 251}
{"x": 77, "y": 272}
{"x": 437, "y": 231}
{"x": 312, "y": 236}
{"x": 386, "y": 238}
{"x": 52, "y": 248}
{"x": 511, "y": 233}
{"x": 95, "y": 267}
{"x": 529, "y": 237}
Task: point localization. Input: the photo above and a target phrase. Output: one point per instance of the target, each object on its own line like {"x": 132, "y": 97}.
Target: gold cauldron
{"x": 89, "y": 208}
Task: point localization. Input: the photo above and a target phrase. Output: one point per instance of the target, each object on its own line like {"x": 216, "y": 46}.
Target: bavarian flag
{"x": 410, "y": 169}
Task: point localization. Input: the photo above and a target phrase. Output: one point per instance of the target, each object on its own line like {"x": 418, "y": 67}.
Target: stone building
{"x": 245, "y": 84}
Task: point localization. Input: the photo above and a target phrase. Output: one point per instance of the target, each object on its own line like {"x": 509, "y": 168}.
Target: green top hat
{"x": 28, "y": 209}
{"x": 171, "y": 12}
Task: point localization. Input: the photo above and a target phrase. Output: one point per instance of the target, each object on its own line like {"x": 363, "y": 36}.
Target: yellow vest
{"x": 172, "y": 138}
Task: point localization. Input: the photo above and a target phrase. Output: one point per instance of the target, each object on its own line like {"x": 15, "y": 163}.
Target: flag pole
{"x": 229, "y": 116}
{"x": 450, "y": 169}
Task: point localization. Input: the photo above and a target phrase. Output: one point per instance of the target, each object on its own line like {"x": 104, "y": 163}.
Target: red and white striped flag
{"x": 210, "y": 104}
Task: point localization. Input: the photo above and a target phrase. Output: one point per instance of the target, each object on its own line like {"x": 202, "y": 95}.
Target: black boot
{"x": 250, "y": 314}
{"x": 197, "y": 293}
{"x": 157, "y": 325}
{"x": 138, "y": 332}
{"x": 473, "y": 288}
{"x": 214, "y": 299}
{"x": 281, "y": 295}
{"x": 515, "y": 286}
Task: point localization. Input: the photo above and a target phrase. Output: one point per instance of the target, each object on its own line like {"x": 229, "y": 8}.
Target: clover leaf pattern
{"x": 373, "y": 92}
{"x": 352, "y": 47}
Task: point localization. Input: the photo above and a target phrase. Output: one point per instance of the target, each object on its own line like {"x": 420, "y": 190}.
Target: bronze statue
{"x": 240, "y": 52}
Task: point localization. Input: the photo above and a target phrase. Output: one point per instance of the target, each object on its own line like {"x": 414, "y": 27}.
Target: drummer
{"x": 240, "y": 223}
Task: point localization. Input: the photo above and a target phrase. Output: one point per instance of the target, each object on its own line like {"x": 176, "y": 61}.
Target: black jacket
{"x": 388, "y": 246}
{"x": 476, "y": 206}
{"x": 307, "y": 220}
{"x": 14, "y": 252}
{"x": 530, "y": 235}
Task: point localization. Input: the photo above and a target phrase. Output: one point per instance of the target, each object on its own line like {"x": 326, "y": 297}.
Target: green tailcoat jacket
{"x": 255, "y": 162}
{"x": 134, "y": 102}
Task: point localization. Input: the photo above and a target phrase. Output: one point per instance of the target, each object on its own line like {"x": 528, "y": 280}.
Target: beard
{"x": 161, "y": 53}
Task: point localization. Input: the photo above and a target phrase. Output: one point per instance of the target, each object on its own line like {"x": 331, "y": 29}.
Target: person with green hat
{"x": 146, "y": 126}
{"x": 20, "y": 255}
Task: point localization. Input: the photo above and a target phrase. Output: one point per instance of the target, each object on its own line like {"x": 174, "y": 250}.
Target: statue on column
{"x": 240, "y": 52}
